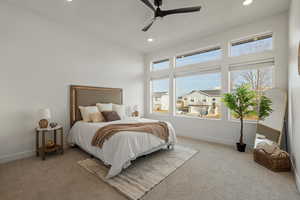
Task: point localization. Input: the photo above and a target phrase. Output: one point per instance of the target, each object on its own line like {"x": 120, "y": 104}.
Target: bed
{"x": 122, "y": 148}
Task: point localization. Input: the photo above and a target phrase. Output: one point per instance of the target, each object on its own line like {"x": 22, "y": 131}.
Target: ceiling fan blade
{"x": 181, "y": 10}
{"x": 146, "y": 28}
{"x": 147, "y": 3}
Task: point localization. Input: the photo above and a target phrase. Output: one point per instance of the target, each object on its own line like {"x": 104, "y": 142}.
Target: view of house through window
{"x": 160, "y": 95}
{"x": 256, "y": 44}
{"x": 199, "y": 95}
{"x": 260, "y": 79}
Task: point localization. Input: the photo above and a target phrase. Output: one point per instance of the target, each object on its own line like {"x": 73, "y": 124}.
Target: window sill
{"x": 245, "y": 121}
{"x": 199, "y": 118}
{"x": 160, "y": 114}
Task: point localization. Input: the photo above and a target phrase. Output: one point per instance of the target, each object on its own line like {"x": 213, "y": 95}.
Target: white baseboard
{"x": 209, "y": 139}
{"x": 297, "y": 178}
{"x": 21, "y": 155}
{"x": 16, "y": 156}
{"x": 296, "y": 175}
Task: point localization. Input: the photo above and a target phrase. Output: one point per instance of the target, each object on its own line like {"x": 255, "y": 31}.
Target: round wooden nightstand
{"x": 43, "y": 150}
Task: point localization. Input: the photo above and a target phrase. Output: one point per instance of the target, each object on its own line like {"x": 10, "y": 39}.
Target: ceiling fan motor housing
{"x": 158, "y": 13}
{"x": 157, "y": 3}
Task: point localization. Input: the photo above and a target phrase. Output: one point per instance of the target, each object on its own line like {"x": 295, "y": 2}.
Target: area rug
{"x": 144, "y": 173}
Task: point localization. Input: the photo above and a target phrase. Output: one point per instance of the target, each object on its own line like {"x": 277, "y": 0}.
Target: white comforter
{"x": 121, "y": 148}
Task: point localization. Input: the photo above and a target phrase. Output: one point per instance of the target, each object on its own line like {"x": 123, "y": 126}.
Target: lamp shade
{"x": 136, "y": 108}
{"x": 45, "y": 113}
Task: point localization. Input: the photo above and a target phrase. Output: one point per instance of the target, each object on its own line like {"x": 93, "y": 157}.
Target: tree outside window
{"x": 259, "y": 80}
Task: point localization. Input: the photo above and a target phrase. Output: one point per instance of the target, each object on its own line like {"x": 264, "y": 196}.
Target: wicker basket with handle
{"x": 279, "y": 162}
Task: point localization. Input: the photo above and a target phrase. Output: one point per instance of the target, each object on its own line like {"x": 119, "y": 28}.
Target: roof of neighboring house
{"x": 210, "y": 93}
{"x": 159, "y": 94}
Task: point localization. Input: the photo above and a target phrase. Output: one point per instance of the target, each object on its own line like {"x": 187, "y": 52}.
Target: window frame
{"x": 151, "y": 97}
{"x": 159, "y": 61}
{"x": 249, "y": 39}
{"x": 200, "y": 72}
{"x": 248, "y": 66}
{"x": 199, "y": 51}
{"x": 224, "y": 64}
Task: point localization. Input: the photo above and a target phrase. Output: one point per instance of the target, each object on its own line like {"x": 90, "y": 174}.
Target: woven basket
{"x": 280, "y": 163}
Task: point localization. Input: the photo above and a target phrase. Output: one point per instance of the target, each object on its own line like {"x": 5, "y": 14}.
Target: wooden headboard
{"x": 89, "y": 96}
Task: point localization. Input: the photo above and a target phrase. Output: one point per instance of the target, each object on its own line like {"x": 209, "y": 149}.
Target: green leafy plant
{"x": 243, "y": 103}
{"x": 264, "y": 107}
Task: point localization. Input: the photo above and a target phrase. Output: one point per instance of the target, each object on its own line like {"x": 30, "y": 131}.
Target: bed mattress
{"x": 121, "y": 148}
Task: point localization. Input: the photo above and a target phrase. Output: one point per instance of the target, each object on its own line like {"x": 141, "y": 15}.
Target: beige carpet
{"x": 216, "y": 172}
{"x": 144, "y": 173}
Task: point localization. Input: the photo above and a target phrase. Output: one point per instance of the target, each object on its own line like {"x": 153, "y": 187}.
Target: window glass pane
{"x": 254, "y": 45}
{"x": 199, "y": 57}
{"x": 199, "y": 95}
{"x": 160, "y": 95}
{"x": 159, "y": 65}
{"x": 259, "y": 80}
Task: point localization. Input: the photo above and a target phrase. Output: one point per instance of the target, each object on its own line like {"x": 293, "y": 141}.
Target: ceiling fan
{"x": 158, "y": 13}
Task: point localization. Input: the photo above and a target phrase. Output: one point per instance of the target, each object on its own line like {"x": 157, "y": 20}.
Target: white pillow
{"x": 120, "y": 109}
{"x": 104, "y": 106}
{"x": 86, "y": 111}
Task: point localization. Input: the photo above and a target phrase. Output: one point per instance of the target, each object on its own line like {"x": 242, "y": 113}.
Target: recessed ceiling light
{"x": 150, "y": 39}
{"x": 247, "y": 2}
{"x": 69, "y": 0}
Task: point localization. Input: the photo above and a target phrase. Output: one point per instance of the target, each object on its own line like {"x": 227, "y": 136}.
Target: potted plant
{"x": 242, "y": 103}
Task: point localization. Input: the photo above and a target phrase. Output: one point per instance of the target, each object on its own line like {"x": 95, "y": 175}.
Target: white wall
{"x": 294, "y": 87}
{"x": 39, "y": 59}
{"x": 225, "y": 131}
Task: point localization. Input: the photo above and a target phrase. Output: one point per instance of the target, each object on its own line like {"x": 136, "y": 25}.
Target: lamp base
{"x": 135, "y": 114}
{"x": 43, "y": 123}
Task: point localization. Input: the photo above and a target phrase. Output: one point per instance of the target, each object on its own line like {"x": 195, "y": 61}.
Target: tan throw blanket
{"x": 272, "y": 149}
{"x": 159, "y": 129}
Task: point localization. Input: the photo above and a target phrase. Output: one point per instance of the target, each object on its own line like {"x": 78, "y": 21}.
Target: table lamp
{"x": 45, "y": 115}
{"x": 135, "y": 111}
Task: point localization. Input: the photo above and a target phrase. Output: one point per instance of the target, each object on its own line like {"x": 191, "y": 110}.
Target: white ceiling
{"x": 122, "y": 20}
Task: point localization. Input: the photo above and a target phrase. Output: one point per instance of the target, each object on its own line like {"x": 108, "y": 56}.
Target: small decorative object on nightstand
{"x": 45, "y": 115}
{"x": 53, "y": 124}
{"x": 51, "y": 146}
{"x": 135, "y": 111}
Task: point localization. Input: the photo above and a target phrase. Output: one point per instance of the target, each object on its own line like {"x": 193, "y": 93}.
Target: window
{"x": 199, "y": 95}
{"x": 199, "y": 57}
{"x": 196, "y": 78}
{"x": 160, "y": 65}
{"x": 160, "y": 95}
{"x": 253, "y": 45}
{"x": 259, "y": 79}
